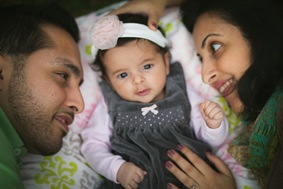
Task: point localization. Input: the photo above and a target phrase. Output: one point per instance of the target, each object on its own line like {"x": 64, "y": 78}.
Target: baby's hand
{"x": 130, "y": 175}
{"x": 212, "y": 113}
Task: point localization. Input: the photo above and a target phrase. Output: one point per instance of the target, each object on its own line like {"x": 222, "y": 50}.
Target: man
{"x": 40, "y": 76}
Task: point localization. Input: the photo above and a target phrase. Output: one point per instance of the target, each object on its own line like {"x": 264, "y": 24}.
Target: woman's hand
{"x": 199, "y": 174}
{"x": 152, "y": 8}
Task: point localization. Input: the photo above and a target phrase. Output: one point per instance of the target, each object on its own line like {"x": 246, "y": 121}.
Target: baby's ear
{"x": 167, "y": 58}
{"x": 104, "y": 77}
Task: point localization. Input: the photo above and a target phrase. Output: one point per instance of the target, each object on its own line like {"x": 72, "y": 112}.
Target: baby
{"x": 150, "y": 107}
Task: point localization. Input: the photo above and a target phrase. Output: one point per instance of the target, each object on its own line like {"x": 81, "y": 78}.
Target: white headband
{"x": 106, "y": 31}
{"x": 142, "y": 31}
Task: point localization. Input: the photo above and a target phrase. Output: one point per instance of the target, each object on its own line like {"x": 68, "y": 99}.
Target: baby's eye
{"x": 122, "y": 75}
{"x": 147, "y": 66}
{"x": 215, "y": 46}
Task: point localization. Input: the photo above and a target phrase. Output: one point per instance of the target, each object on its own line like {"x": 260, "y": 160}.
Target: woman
{"x": 239, "y": 44}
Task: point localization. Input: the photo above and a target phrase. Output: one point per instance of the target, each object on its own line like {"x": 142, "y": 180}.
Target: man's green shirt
{"x": 12, "y": 149}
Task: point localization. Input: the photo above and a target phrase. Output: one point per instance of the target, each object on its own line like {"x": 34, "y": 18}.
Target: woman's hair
{"x": 279, "y": 120}
{"x": 260, "y": 22}
{"x": 126, "y": 18}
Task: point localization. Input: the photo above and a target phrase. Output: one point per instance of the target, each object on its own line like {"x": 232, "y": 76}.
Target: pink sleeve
{"x": 214, "y": 137}
{"x": 96, "y": 144}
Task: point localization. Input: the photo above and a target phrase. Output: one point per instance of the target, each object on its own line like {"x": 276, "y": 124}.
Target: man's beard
{"x": 31, "y": 118}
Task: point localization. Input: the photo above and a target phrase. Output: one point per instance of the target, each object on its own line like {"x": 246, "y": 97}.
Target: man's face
{"x": 45, "y": 95}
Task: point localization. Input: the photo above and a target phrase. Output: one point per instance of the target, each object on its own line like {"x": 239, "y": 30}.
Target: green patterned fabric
{"x": 66, "y": 169}
{"x": 56, "y": 170}
{"x": 264, "y": 141}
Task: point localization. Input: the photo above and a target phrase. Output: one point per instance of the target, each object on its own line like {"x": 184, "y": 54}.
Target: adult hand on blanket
{"x": 195, "y": 173}
{"x": 152, "y": 8}
{"x": 212, "y": 113}
{"x": 129, "y": 175}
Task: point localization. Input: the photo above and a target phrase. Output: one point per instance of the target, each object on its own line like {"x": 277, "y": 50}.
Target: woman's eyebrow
{"x": 205, "y": 39}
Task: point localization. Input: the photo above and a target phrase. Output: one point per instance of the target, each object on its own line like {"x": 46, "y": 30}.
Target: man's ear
{"x": 1, "y": 72}
{"x": 5, "y": 70}
{"x": 1, "y": 76}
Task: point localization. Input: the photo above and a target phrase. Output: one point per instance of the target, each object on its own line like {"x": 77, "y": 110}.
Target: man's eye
{"x": 147, "y": 66}
{"x": 215, "y": 46}
{"x": 122, "y": 75}
{"x": 64, "y": 75}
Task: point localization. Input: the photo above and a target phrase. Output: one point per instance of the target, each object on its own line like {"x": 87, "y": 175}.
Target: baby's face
{"x": 137, "y": 71}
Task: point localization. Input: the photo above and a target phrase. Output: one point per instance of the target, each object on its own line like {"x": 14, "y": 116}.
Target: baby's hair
{"x": 98, "y": 65}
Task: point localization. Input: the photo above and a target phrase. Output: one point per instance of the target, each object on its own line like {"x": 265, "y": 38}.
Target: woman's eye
{"x": 147, "y": 66}
{"x": 215, "y": 46}
{"x": 122, "y": 75}
{"x": 199, "y": 57}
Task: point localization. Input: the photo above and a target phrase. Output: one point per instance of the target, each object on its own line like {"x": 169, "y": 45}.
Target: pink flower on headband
{"x": 106, "y": 31}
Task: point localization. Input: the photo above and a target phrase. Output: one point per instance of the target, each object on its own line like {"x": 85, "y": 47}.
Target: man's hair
{"x": 21, "y": 31}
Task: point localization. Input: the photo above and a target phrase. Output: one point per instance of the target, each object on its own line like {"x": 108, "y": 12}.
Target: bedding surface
{"x": 68, "y": 168}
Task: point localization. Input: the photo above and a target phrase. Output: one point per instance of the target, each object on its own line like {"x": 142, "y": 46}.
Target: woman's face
{"x": 225, "y": 56}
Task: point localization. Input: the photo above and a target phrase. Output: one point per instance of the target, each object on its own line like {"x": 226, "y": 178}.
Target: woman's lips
{"x": 226, "y": 88}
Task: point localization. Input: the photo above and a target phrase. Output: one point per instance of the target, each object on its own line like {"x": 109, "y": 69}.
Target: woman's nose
{"x": 208, "y": 72}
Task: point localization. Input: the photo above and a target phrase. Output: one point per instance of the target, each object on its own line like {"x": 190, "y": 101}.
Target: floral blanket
{"x": 68, "y": 169}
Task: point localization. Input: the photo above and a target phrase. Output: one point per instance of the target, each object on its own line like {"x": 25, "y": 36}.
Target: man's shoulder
{"x": 9, "y": 169}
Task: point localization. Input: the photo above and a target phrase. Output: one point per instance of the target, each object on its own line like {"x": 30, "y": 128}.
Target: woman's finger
{"x": 197, "y": 172}
{"x": 171, "y": 186}
{"x": 150, "y": 8}
{"x": 180, "y": 175}
{"x": 199, "y": 168}
{"x": 129, "y": 7}
{"x": 184, "y": 174}
{"x": 219, "y": 164}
